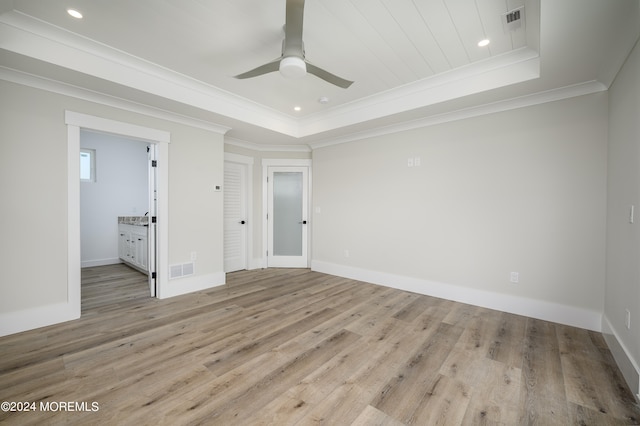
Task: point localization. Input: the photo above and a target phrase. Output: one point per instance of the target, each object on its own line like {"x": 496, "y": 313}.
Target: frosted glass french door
{"x": 288, "y": 189}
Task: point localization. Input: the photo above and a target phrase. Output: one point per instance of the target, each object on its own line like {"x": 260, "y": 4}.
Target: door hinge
{"x": 153, "y": 275}
{"x": 154, "y": 163}
{"x": 153, "y": 219}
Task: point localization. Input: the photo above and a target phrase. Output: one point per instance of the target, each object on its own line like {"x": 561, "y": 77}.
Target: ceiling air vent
{"x": 513, "y": 20}
{"x": 512, "y": 16}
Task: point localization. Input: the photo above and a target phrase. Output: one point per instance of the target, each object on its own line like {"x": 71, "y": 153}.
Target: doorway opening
{"x": 117, "y": 207}
{"x": 158, "y": 141}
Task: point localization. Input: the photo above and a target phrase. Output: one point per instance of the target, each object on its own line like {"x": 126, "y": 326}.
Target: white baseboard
{"x": 548, "y": 311}
{"x": 179, "y": 286}
{"x": 628, "y": 365}
{"x": 99, "y": 262}
{"x": 28, "y": 319}
{"x": 257, "y": 263}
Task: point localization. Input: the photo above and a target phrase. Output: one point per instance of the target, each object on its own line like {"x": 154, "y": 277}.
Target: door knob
{"x": 304, "y": 222}
{"x": 242, "y": 222}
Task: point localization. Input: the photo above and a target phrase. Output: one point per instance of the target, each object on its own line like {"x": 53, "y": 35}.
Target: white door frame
{"x": 248, "y": 162}
{"x": 75, "y": 121}
{"x": 266, "y": 163}
{"x": 152, "y": 227}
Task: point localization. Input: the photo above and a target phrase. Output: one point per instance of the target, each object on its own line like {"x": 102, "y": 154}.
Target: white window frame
{"x": 92, "y": 164}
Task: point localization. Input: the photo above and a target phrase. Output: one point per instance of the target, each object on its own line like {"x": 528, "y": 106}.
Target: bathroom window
{"x": 87, "y": 165}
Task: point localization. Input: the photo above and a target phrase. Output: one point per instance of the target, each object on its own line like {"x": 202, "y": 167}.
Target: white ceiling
{"x": 411, "y": 60}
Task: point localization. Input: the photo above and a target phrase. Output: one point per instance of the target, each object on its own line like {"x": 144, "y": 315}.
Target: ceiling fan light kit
{"x": 292, "y": 63}
{"x": 293, "y": 67}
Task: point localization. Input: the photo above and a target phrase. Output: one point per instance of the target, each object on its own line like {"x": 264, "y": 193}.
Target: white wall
{"x": 623, "y": 238}
{"x": 33, "y": 212}
{"x": 121, "y": 189}
{"x": 33, "y": 187}
{"x": 522, "y": 191}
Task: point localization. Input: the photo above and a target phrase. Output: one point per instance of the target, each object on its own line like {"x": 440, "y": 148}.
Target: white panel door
{"x": 235, "y": 216}
{"x": 288, "y": 189}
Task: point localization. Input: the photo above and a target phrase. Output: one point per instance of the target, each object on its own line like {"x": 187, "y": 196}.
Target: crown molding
{"x": 266, "y": 148}
{"x": 65, "y": 89}
{"x": 510, "y": 68}
{"x": 580, "y": 89}
{"x": 41, "y": 83}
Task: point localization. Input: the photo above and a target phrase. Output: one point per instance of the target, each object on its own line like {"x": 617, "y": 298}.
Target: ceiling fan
{"x": 292, "y": 62}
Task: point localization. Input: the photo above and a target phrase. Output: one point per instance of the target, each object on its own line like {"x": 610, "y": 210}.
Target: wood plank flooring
{"x": 295, "y": 347}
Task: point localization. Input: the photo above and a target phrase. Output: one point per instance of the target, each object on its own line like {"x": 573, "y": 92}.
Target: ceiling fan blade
{"x": 262, "y": 69}
{"x": 328, "y": 77}
{"x": 293, "y": 29}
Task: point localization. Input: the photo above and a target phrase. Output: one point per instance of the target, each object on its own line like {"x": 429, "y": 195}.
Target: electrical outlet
{"x": 515, "y": 277}
{"x": 194, "y": 255}
{"x": 410, "y": 162}
{"x": 627, "y": 319}
{"x": 346, "y": 253}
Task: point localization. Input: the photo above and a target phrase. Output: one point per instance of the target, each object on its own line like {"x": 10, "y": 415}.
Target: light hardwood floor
{"x": 291, "y": 346}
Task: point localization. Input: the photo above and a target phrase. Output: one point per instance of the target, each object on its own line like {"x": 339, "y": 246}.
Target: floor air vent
{"x": 513, "y": 19}
{"x": 183, "y": 270}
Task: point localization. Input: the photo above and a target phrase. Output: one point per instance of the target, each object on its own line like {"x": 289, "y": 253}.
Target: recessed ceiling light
{"x": 323, "y": 100}
{"x": 74, "y": 13}
{"x": 483, "y": 43}
{"x": 297, "y": 108}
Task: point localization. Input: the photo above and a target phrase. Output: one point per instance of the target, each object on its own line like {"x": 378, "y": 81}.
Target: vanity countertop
{"x": 134, "y": 220}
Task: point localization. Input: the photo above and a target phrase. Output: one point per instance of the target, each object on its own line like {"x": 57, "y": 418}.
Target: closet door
{"x": 235, "y": 216}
